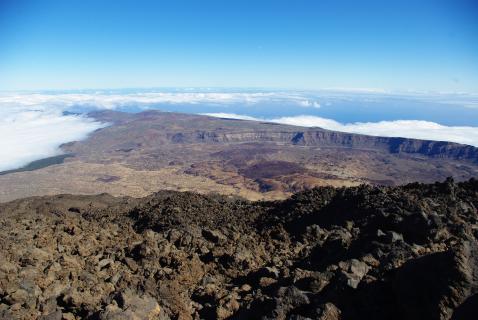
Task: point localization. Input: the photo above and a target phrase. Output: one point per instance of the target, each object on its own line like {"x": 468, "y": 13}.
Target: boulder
{"x": 434, "y": 285}
{"x": 130, "y": 306}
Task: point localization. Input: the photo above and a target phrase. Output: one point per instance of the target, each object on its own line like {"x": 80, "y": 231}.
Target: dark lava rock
{"x": 434, "y": 285}
{"x": 408, "y": 252}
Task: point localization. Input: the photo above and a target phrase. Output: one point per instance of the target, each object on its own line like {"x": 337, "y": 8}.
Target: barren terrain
{"x": 363, "y": 252}
{"x": 138, "y": 154}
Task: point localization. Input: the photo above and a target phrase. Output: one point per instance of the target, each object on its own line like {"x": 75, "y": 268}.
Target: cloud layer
{"x": 147, "y": 99}
{"x": 34, "y": 125}
{"x": 400, "y": 128}
{"x": 26, "y": 136}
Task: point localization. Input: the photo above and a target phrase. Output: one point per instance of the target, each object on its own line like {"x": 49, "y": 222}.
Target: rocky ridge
{"x": 227, "y": 131}
{"x": 363, "y": 252}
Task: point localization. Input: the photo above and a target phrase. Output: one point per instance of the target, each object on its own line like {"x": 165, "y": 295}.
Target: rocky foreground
{"x": 365, "y": 252}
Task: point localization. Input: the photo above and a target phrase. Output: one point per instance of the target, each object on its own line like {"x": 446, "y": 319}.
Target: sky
{"x": 405, "y": 68}
{"x": 425, "y": 45}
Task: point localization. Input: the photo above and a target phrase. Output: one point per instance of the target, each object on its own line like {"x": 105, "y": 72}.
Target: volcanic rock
{"x": 408, "y": 252}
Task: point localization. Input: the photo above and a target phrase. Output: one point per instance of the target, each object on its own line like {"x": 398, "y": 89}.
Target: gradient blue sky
{"x": 301, "y": 44}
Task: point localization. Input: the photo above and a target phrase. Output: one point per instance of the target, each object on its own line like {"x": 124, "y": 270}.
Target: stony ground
{"x": 365, "y": 252}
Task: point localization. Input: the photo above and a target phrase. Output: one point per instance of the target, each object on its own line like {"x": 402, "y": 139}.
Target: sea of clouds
{"x": 34, "y": 125}
{"x": 28, "y": 134}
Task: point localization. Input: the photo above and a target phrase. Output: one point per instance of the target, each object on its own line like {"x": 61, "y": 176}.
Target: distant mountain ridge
{"x": 140, "y": 153}
{"x": 305, "y": 137}
{"x": 325, "y": 138}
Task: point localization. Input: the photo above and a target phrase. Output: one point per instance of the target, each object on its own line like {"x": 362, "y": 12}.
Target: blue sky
{"x": 420, "y": 45}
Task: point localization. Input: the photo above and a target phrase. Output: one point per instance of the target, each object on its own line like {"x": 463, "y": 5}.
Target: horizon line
{"x": 182, "y": 89}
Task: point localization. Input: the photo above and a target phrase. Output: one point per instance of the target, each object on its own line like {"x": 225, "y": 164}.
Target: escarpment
{"x": 183, "y": 128}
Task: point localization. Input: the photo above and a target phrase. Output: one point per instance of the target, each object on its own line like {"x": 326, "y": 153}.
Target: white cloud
{"x": 309, "y": 104}
{"x": 145, "y": 99}
{"x": 27, "y": 135}
{"x": 32, "y": 125}
{"x": 415, "y": 129}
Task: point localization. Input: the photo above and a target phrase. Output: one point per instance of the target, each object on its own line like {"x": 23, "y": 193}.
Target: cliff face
{"x": 436, "y": 149}
{"x": 324, "y": 138}
{"x": 366, "y": 252}
{"x": 189, "y": 129}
